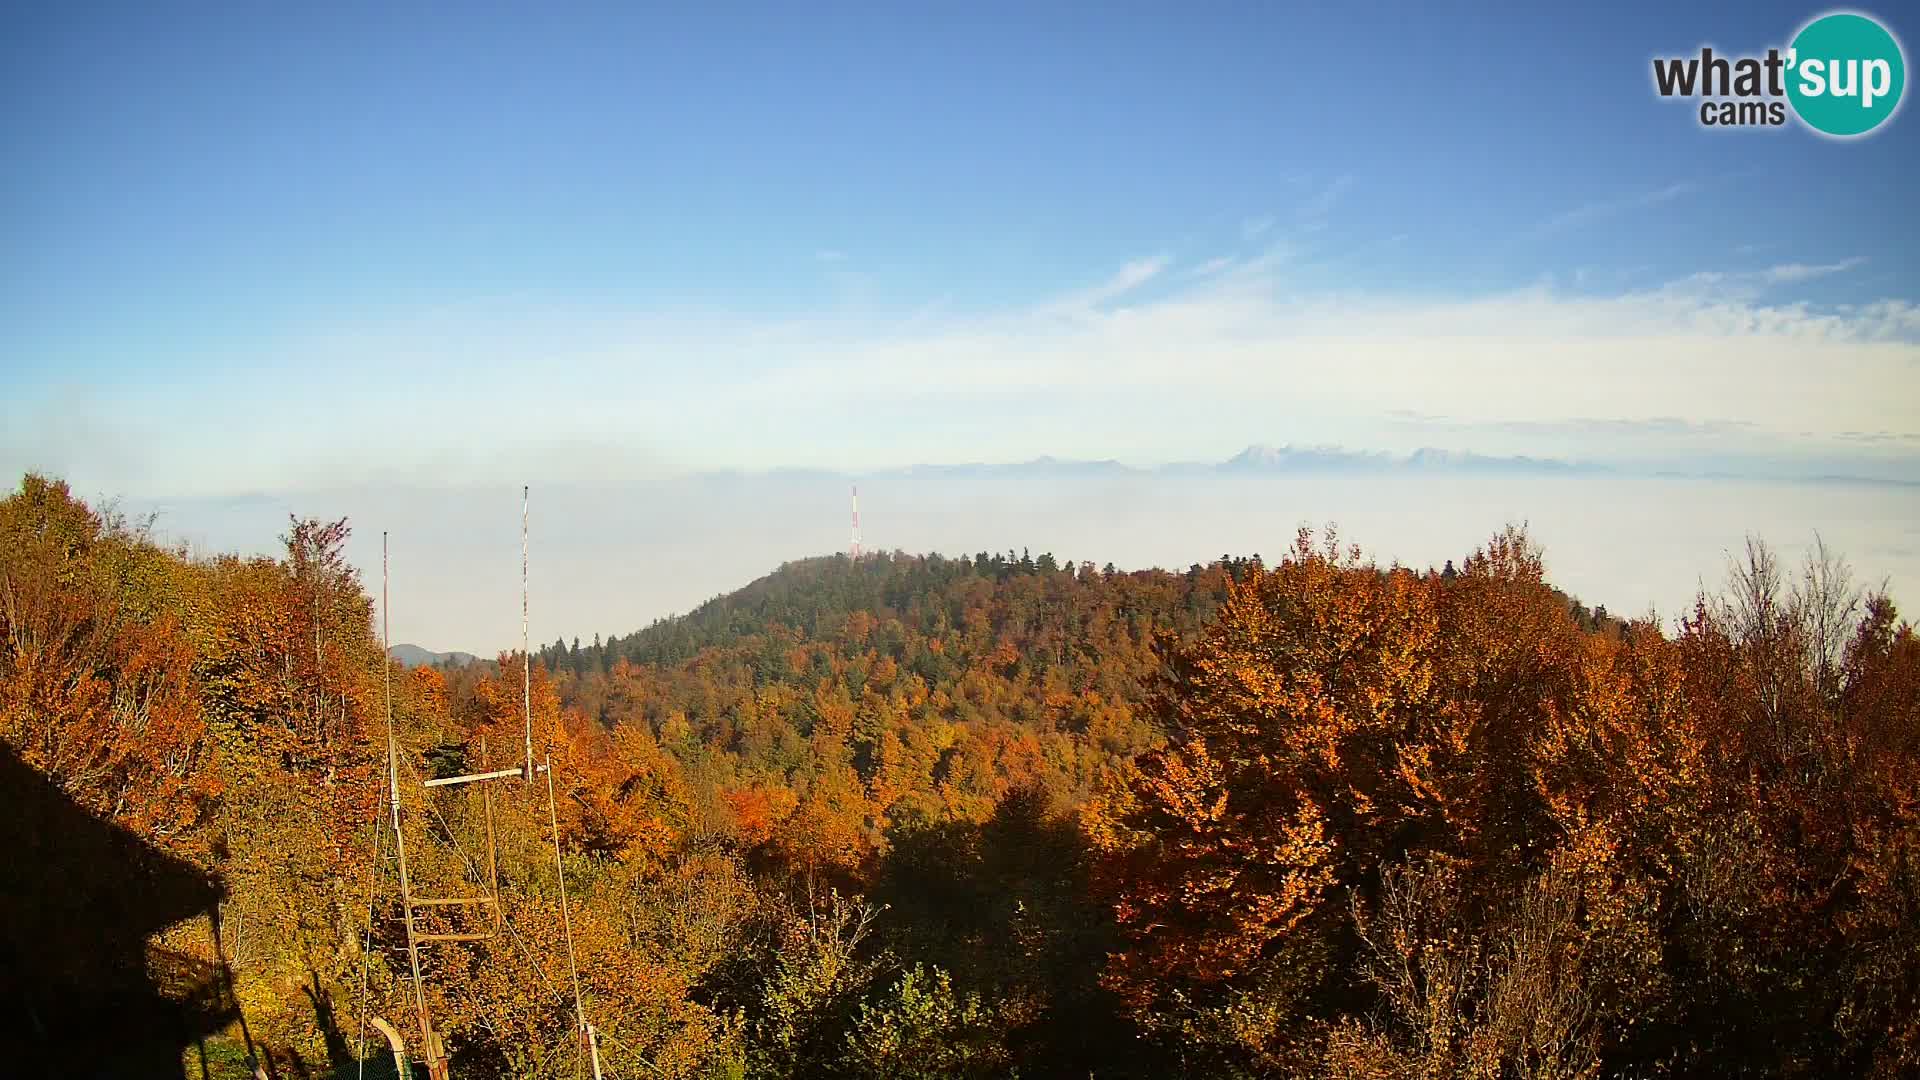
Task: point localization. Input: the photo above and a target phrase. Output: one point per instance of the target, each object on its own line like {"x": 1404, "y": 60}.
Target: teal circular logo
{"x": 1845, "y": 74}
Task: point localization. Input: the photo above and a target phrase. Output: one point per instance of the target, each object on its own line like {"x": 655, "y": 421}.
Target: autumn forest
{"x": 1291, "y": 814}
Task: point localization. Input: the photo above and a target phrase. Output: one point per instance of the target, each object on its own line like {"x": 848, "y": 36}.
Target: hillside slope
{"x": 943, "y": 683}
{"x": 940, "y": 682}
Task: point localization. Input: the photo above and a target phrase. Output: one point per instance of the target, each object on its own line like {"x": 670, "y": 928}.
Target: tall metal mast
{"x": 526, "y": 644}
{"x": 436, "y": 1065}
{"x": 588, "y": 1037}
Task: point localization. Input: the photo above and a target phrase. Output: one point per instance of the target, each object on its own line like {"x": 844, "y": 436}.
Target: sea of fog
{"x": 610, "y": 559}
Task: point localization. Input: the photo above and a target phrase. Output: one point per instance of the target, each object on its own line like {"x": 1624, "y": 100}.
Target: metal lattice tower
{"x": 854, "y": 550}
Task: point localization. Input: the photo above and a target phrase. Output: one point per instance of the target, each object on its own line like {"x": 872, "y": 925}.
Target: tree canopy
{"x": 926, "y": 816}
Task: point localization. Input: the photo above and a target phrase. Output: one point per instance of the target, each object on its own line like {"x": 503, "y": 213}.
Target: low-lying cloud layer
{"x": 609, "y": 558}
{"x": 1165, "y": 359}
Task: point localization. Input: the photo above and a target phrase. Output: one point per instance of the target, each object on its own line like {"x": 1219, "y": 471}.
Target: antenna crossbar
{"x": 469, "y": 778}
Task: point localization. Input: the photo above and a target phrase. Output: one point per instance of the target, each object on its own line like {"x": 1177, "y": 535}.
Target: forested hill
{"x": 931, "y": 686}
{"x": 927, "y": 594}
{"x": 946, "y": 681}
{"x": 1040, "y": 601}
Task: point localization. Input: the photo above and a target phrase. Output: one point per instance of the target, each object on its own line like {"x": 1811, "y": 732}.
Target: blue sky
{"x": 341, "y": 244}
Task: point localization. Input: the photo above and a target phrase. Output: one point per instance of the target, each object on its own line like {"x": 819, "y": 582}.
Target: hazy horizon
{"x": 610, "y": 559}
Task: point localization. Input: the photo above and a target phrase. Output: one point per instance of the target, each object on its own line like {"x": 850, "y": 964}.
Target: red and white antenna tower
{"x": 855, "y": 549}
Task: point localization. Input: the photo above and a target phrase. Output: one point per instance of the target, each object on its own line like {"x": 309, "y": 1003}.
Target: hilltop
{"x": 949, "y": 680}
{"x": 414, "y": 656}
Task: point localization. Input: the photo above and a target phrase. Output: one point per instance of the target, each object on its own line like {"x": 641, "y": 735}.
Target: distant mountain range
{"x": 415, "y": 656}
{"x": 1326, "y": 458}
{"x": 1262, "y": 458}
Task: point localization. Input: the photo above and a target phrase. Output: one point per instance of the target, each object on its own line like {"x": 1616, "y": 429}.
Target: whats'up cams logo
{"x": 1843, "y": 75}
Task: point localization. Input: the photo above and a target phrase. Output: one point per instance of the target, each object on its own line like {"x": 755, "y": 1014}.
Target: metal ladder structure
{"x": 433, "y": 1049}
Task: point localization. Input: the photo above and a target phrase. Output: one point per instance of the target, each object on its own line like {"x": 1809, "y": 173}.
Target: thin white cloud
{"x": 1125, "y": 280}
{"x": 1321, "y": 203}
{"x": 1670, "y": 426}
{"x": 1133, "y": 275}
{"x": 1277, "y": 255}
{"x": 1253, "y": 228}
{"x": 830, "y": 255}
{"x": 1587, "y": 213}
{"x": 1750, "y": 285}
{"x": 1790, "y": 273}
{"x": 1700, "y": 350}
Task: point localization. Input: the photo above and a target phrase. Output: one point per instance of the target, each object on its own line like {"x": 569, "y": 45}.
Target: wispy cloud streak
{"x": 1588, "y": 213}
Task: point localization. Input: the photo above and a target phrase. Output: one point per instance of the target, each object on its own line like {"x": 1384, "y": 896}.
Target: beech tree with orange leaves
{"x": 96, "y": 668}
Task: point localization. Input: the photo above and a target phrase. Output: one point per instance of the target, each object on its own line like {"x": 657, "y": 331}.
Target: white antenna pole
{"x": 526, "y": 651}
{"x": 585, "y": 1030}
{"x": 854, "y": 548}
{"x": 399, "y": 835}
